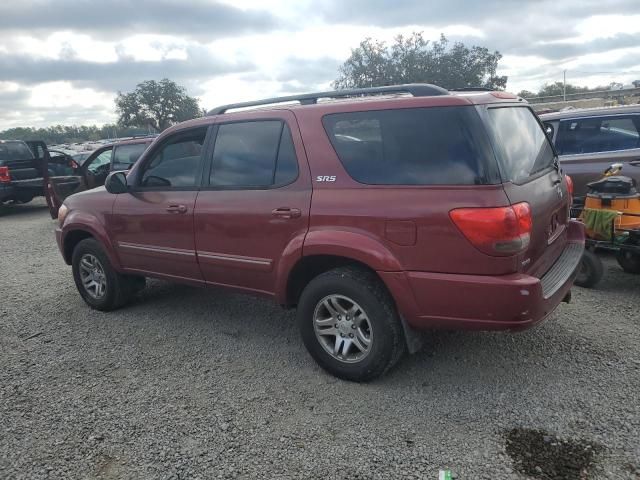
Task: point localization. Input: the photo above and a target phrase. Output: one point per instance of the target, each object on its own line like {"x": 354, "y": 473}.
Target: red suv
{"x": 377, "y": 212}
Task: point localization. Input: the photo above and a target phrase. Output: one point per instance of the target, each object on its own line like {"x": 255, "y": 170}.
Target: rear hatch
{"x": 19, "y": 159}
{"x": 529, "y": 169}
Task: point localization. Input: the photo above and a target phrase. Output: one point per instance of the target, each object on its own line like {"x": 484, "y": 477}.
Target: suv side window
{"x": 176, "y": 163}
{"x": 254, "y": 154}
{"x": 597, "y": 134}
{"x": 125, "y": 156}
{"x": 413, "y": 146}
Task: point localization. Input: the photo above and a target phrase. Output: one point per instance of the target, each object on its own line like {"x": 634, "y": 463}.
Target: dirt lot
{"x": 188, "y": 383}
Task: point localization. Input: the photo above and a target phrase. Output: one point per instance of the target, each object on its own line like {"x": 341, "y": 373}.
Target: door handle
{"x": 177, "y": 209}
{"x": 286, "y": 212}
{"x": 635, "y": 163}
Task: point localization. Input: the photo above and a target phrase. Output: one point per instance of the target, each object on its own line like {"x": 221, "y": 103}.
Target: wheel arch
{"x": 75, "y": 234}
{"x": 327, "y": 248}
{"x": 309, "y": 267}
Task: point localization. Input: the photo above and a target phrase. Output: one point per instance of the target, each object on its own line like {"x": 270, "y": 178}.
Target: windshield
{"x": 522, "y": 146}
{"x": 14, "y": 151}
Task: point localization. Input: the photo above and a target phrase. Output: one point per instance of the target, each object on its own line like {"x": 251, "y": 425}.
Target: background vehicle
{"x": 590, "y": 140}
{"x": 93, "y": 171}
{"x": 393, "y": 206}
{"x": 611, "y": 215}
{"x": 21, "y": 170}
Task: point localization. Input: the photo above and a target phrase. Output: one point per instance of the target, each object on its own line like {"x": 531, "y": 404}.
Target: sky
{"x": 63, "y": 61}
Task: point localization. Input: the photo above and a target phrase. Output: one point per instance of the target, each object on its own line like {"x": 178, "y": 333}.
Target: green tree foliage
{"x": 156, "y": 104}
{"x": 413, "y": 59}
{"x": 59, "y": 134}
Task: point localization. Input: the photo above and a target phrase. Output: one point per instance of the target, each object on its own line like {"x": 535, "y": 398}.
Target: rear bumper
{"x": 7, "y": 191}
{"x": 477, "y": 302}
{"x": 17, "y": 188}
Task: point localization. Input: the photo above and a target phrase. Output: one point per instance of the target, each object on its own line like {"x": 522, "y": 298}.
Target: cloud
{"x": 196, "y": 18}
{"x": 123, "y": 74}
{"x": 308, "y": 71}
{"x": 570, "y": 49}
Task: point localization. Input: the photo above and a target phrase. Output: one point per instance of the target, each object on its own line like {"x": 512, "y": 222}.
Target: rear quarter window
{"x": 414, "y": 146}
{"x": 521, "y": 143}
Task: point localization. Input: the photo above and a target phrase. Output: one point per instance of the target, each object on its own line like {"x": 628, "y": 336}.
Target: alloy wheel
{"x": 343, "y": 328}
{"x": 92, "y": 276}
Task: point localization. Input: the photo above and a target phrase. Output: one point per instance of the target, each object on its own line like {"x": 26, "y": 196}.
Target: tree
{"x": 413, "y": 59}
{"x": 157, "y": 104}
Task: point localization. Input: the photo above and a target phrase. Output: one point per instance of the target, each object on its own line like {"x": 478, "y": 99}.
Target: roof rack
{"x": 472, "y": 89}
{"x": 415, "y": 89}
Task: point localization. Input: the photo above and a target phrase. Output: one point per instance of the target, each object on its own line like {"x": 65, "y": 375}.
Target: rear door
{"x": 589, "y": 145}
{"x": 39, "y": 149}
{"x": 254, "y": 202}
{"x": 531, "y": 174}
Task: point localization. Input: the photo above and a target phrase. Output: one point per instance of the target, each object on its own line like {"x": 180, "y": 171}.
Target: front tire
{"x": 99, "y": 285}
{"x": 350, "y": 325}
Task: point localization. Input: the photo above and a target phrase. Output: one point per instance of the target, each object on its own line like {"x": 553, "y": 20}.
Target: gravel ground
{"x": 189, "y": 383}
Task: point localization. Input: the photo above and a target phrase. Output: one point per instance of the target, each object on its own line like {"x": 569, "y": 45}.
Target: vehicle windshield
{"x": 522, "y": 146}
{"x": 14, "y": 151}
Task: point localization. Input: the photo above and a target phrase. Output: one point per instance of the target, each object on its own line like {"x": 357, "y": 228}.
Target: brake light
{"x": 5, "y": 177}
{"x": 500, "y": 231}
{"x": 569, "y": 185}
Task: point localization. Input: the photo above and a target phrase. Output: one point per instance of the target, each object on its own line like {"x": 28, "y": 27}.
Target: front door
{"x": 152, "y": 224}
{"x": 254, "y": 202}
{"x": 91, "y": 174}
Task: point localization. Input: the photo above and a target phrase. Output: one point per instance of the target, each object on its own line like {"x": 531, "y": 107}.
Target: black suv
{"x": 21, "y": 170}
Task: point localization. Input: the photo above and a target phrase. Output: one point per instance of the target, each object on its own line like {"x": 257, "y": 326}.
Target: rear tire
{"x": 628, "y": 260}
{"x": 350, "y": 325}
{"x": 99, "y": 285}
{"x": 591, "y": 270}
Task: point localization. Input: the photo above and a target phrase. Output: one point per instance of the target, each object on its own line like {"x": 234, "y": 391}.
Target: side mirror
{"x": 116, "y": 182}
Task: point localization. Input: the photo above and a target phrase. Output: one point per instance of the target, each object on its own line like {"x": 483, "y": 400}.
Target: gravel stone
{"x": 199, "y": 384}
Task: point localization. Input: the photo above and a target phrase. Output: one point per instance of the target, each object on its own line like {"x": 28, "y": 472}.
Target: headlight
{"x": 62, "y": 213}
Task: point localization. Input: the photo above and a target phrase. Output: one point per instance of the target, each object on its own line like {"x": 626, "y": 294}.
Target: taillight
{"x": 497, "y": 231}
{"x": 4, "y": 175}
{"x": 569, "y": 185}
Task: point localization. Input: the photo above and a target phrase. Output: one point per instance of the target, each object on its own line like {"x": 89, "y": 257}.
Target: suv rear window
{"x": 14, "y": 151}
{"x": 521, "y": 143}
{"x": 415, "y": 146}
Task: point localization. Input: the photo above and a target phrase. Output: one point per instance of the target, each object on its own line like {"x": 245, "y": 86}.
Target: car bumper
{"x": 7, "y": 191}
{"x": 60, "y": 242}
{"x": 481, "y": 302}
{"x": 18, "y": 188}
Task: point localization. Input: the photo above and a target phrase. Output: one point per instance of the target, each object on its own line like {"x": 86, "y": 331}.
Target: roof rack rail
{"x": 415, "y": 89}
{"x": 472, "y": 89}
